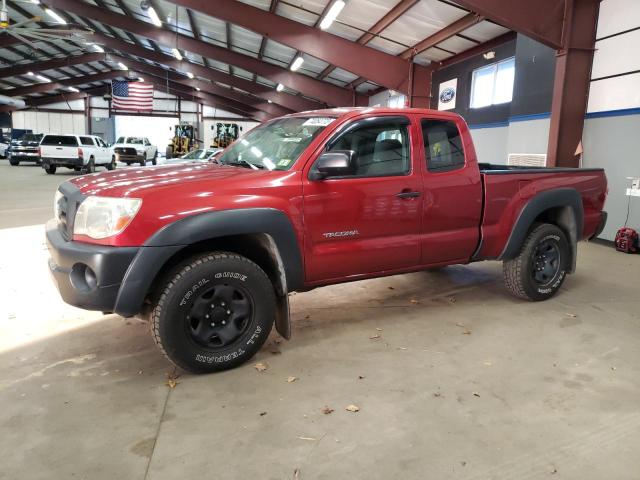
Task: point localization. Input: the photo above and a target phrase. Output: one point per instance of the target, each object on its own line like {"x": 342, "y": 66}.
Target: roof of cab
{"x": 352, "y": 111}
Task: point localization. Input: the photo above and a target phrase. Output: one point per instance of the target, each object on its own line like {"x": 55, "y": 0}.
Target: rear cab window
{"x": 87, "y": 141}
{"x": 442, "y": 145}
{"x": 60, "y": 141}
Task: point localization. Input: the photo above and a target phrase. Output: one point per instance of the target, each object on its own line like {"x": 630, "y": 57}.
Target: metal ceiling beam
{"x": 363, "y": 61}
{"x": 22, "y": 69}
{"x": 60, "y": 84}
{"x": 479, "y": 49}
{"x": 442, "y": 35}
{"x": 326, "y": 92}
{"x": 391, "y": 16}
{"x": 541, "y": 20}
{"x": 291, "y": 102}
{"x": 61, "y": 97}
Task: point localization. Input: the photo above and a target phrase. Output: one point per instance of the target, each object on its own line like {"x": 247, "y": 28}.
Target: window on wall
{"x": 493, "y": 84}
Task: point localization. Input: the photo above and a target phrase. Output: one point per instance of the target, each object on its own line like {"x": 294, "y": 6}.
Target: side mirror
{"x": 333, "y": 164}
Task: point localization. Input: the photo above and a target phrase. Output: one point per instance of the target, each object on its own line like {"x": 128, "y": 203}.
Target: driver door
{"x": 368, "y": 221}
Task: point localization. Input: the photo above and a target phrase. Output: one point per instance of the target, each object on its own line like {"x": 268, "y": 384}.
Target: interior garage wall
{"x": 611, "y": 137}
{"x": 521, "y": 126}
{"x": 48, "y": 122}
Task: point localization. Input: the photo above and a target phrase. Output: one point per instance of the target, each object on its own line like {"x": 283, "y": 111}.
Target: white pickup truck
{"x": 78, "y": 152}
{"x": 135, "y": 150}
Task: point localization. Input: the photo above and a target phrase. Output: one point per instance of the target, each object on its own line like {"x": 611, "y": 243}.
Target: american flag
{"x": 132, "y": 96}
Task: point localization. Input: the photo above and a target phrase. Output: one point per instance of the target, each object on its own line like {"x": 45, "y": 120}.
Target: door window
{"x": 380, "y": 147}
{"x": 87, "y": 141}
{"x": 442, "y": 145}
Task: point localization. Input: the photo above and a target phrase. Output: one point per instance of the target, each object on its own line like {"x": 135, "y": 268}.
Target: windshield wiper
{"x": 246, "y": 163}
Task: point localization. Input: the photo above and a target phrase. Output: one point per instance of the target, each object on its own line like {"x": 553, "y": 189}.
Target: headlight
{"x": 140, "y": 152}
{"x": 56, "y": 204}
{"x": 102, "y": 217}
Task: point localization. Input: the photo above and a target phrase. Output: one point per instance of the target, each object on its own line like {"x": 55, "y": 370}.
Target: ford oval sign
{"x": 447, "y": 95}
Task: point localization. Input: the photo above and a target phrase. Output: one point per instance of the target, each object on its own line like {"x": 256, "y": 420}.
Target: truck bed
{"x": 507, "y": 189}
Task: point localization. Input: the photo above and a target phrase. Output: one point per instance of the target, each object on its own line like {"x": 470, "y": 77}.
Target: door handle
{"x": 407, "y": 194}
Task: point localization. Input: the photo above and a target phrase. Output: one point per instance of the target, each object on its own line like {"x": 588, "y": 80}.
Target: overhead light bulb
{"x": 140, "y": 79}
{"x": 332, "y": 14}
{"x": 280, "y": 87}
{"x": 153, "y": 15}
{"x": 190, "y": 75}
{"x": 198, "y": 88}
{"x": 31, "y": 74}
{"x": 73, "y": 89}
{"x": 297, "y": 63}
{"x": 176, "y": 53}
{"x": 122, "y": 66}
{"x": 55, "y": 16}
{"x": 42, "y": 78}
{"x": 270, "y": 101}
{"x": 97, "y": 48}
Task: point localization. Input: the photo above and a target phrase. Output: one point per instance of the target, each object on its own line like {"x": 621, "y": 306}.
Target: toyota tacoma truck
{"x": 82, "y": 153}
{"x": 208, "y": 253}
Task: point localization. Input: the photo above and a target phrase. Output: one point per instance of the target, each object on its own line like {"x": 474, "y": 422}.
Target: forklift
{"x": 184, "y": 140}
{"x": 226, "y": 134}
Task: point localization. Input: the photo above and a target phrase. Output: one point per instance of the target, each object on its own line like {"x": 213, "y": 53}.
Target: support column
{"x": 419, "y": 95}
{"x": 571, "y": 83}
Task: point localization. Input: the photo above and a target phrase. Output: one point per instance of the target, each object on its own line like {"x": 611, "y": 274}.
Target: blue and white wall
{"x": 611, "y": 137}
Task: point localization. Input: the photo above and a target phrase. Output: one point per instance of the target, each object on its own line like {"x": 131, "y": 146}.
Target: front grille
{"x": 67, "y": 208}
{"x": 126, "y": 151}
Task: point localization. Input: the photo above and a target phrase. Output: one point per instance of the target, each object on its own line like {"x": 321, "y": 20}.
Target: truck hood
{"x": 145, "y": 181}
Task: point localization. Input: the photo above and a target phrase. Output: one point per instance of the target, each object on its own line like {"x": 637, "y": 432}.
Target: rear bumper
{"x": 63, "y": 162}
{"x": 601, "y": 225}
{"x": 87, "y": 276}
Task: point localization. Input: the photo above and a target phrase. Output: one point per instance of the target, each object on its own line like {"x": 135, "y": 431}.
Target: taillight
{"x": 80, "y": 153}
{"x": 39, "y": 151}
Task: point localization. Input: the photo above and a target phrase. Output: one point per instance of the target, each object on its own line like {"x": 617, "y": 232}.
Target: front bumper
{"x": 23, "y": 156}
{"x": 122, "y": 157}
{"x": 87, "y": 276}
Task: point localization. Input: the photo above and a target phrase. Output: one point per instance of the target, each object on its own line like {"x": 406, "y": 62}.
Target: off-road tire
{"x": 154, "y": 160}
{"x": 143, "y": 162}
{"x": 51, "y": 169}
{"x": 519, "y": 272}
{"x": 13, "y": 162}
{"x": 187, "y": 285}
{"x": 112, "y": 164}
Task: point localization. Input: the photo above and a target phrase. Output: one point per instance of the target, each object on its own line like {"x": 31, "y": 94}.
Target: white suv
{"x": 135, "y": 150}
{"x": 78, "y": 152}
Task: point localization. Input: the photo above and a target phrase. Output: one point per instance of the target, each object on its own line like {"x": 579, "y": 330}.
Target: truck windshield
{"x": 275, "y": 145}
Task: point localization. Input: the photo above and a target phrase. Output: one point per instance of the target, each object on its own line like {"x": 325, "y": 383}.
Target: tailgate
{"x": 50, "y": 151}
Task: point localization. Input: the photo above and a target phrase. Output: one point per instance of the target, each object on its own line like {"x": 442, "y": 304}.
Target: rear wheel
{"x": 112, "y": 164}
{"x": 154, "y": 160}
{"x": 214, "y": 312}
{"x": 14, "y": 162}
{"x": 143, "y": 162}
{"x": 539, "y": 270}
{"x": 90, "y": 167}
{"x": 50, "y": 169}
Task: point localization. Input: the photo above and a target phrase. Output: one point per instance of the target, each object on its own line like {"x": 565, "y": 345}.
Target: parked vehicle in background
{"x": 135, "y": 150}
{"x": 78, "y": 152}
{"x": 199, "y": 155}
{"x": 25, "y": 149}
{"x": 208, "y": 253}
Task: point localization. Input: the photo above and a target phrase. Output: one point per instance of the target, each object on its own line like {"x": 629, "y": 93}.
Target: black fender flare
{"x": 561, "y": 197}
{"x": 172, "y": 238}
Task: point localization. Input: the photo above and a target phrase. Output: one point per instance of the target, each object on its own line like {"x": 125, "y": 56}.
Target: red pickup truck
{"x": 209, "y": 252}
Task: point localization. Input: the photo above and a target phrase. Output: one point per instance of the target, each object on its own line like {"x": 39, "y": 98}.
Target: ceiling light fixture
{"x": 73, "y": 89}
{"x": 31, "y": 74}
{"x": 280, "y": 87}
{"x": 297, "y": 63}
{"x": 153, "y": 15}
{"x": 176, "y": 53}
{"x": 97, "y": 48}
{"x": 55, "y": 16}
{"x": 332, "y": 14}
{"x": 190, "y": 75}
{"x": 122, "y": 66}
{"x": 198, "y": 88}
{"x": 42, "y": 78}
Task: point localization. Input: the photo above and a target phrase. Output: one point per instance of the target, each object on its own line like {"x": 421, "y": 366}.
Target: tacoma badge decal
{"x": 348, "y": 233}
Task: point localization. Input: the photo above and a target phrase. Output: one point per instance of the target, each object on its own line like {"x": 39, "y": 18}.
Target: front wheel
{"x": 539, "y": 270}
{"x": 14, "y": 162}
{"x": 112, "y": 164}
{"x": 143, "y": 162}
{"x": 154, "y": 160}
{"x": 214, "y": 312}
{"x": 50, "y": 169}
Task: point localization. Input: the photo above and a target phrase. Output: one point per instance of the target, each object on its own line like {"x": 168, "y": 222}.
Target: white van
{"x": 78, "y": 152}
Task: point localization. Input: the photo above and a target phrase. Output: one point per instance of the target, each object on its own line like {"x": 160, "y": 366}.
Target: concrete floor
{"x": 464, "y": 381}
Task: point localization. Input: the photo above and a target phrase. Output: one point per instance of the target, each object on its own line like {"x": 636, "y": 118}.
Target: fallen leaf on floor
{"x": 291, "y": 379}
{"x": 452, "y": 299}
{"x": 262, "y": 414}
{"x": 572, "y": 315}
{"x": 326, "y": 410}
{"x": 307, "y": 317}
{"x": 373, "y": 337}
{"x": 172, "y": 379}
{"x": 554, "y": 470}
{"x": 261, "y": 367}
{"x": 476, "y": 394}
{"x": 488, "y": 364}
{"x": 308, "y": 439}
{"x": 360, "y": 377}
{"x": 414, "y": 301}
{"x": 391, "y": 288}
{"x": 352, "y": 408}
{"x": 296, "y": 473}
{"x": 437, "y": 394}
{"x": 467, "y": 332}
{"x": 171, "y": 383}
{"x": 461, "y": 325}
{"x": 379, "y": 329}
{"x": 277, "y": 341}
